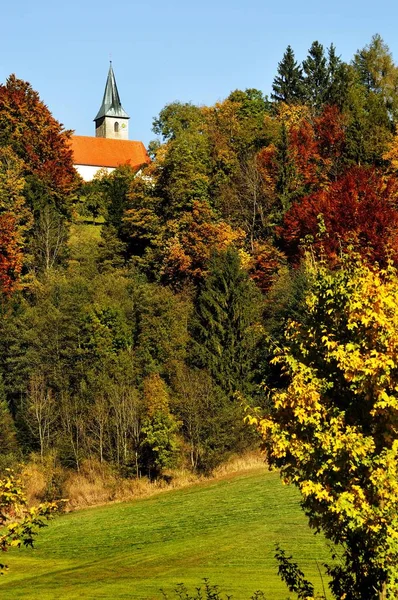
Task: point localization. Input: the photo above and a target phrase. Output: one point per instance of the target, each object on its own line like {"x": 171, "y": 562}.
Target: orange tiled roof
{"x": 105, "y": 152}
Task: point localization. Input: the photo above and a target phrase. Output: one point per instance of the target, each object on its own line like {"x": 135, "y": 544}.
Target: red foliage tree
{"x": 307, "y": 157}
{"x": 265, "y": 264}
{"x": 27, "y": 125}
{"x": 305, "y": 152}
{"x": 317, "y": 146}
{"x": 360, "y": 209}
{"x": 15, "y": 219}
{"x": 329, "y": 129}
{"x": 10, "y": 253}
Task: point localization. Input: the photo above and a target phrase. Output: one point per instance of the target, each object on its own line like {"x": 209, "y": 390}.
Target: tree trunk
{"x": 383, "y": 591}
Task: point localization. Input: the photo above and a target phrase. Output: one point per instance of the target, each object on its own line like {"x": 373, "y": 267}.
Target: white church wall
{"x": 87, "y": 172}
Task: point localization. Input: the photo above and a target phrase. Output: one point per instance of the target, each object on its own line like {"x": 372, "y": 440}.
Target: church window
{"x": 116, "y": 127}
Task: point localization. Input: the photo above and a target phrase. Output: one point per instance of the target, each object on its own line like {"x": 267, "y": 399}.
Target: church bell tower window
{"x": 116, "y": 128}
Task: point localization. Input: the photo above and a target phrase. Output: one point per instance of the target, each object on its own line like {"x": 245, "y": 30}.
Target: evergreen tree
{"x": 316, "y": 75}
{"x": 288, "y": 85}
{"x": 285, "y": 183}
{"x": 8, "y": 441}
{"x": 115, "y": 188}
{"x": 338, "y": 80}
{"x": 225, "y": 330}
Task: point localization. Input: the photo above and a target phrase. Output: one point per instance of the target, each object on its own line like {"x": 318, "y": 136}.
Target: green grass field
{"x": 225, "y": 530}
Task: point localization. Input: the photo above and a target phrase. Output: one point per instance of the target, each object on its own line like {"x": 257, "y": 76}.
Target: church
{"x": 111, "y": 146}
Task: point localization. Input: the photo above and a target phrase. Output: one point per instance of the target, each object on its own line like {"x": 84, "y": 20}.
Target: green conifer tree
{"x": 316, "y": 75}
{"x": 287, "y": 176}
{"x": 338, "y": 80}
{"x": 225, "y": 330}
{"x": 288, "y": 84}
{"x": 8, "y": 441}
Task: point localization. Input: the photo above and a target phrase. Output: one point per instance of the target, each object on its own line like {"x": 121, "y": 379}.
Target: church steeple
{"x": 111, "y": 120}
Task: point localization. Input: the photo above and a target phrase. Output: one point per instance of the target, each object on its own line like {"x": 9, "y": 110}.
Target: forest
{"x": 247, "y": 275}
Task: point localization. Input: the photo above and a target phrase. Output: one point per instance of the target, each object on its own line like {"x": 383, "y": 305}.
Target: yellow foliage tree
{"x": 19, "y": 524}
{"x": 292, "y": 115}
{"x": 333, "y": 431}
{"x": 160, "y": 444}
{"x": 392, "y": 154}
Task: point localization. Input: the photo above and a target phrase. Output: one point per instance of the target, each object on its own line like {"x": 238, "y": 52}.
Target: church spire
{"x": 111, "y": 120}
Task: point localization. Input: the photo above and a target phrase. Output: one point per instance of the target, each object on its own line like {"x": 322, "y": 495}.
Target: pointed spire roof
{"x": 111, "y": 105}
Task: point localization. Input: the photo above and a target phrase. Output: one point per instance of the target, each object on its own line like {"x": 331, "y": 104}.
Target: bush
{"x": 207, "y": 592}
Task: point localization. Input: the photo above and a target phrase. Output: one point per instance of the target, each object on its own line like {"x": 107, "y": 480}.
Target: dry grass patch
{"x": 96, "y": 484}
{"x": 238, "y": 464}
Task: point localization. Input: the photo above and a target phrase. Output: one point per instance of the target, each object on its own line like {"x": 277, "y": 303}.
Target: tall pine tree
{"x": 316, "y": 75}
{"x": 8, "y": 441}
{"x": 225, "y": 330}
{"x": 288, "y": 85}
{"x": 338, "y": 80}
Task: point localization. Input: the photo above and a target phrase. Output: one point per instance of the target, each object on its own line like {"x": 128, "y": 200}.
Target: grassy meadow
{"x": 225, "y": 530}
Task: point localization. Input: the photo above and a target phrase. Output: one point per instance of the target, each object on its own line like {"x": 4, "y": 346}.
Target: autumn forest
{"x": 239, "y": 290}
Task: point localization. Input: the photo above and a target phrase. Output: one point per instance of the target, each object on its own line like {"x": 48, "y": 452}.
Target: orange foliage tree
{"x": 15, "y": 219}
{"x": 199, "y": 234}
{"x": 27, "y": 125}
{"x": 10, "y": 254}
{"x": 317, "y": 147}
{"x": 308, "y": 155}
{"x": 264, "y": 265}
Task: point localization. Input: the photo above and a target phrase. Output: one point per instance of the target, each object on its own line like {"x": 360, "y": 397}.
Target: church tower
{"x": 112, "y": 121}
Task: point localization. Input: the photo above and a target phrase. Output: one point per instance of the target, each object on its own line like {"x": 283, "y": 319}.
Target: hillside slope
{"x": 225, "y": 530}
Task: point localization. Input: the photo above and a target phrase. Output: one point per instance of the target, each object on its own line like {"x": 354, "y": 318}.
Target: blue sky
{"x": 171, "y": 50}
